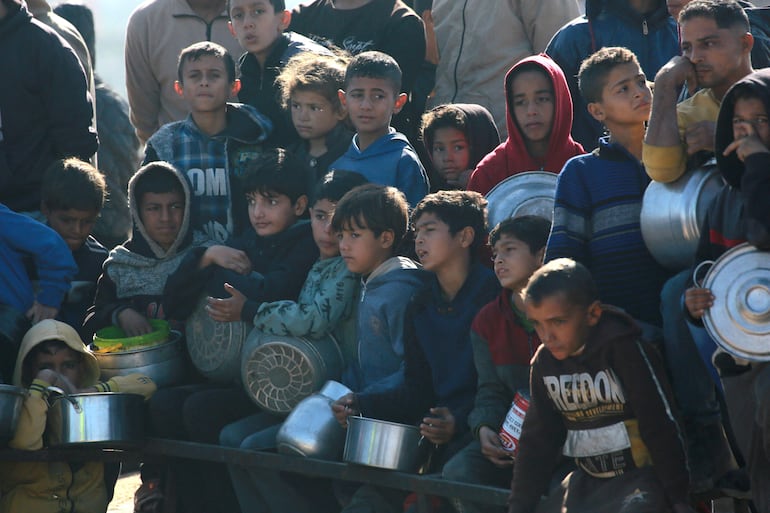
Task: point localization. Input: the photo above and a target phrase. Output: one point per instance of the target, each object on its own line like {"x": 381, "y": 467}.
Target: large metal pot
{"x": 109, "y": 419}
{"x": 277, "y": 372}
{"x": 165, "y": 363}
{"x": 739, "y": 320}
{"x": 11, "y": 401}
{"x": 382, "y": 444}
{"x": 310, "y": 429}
{"x": 528, "y": 193}
{"x": 672, "y": 214}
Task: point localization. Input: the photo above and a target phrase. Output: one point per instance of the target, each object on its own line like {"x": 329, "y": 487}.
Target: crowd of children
{"x": 301, "y": 211}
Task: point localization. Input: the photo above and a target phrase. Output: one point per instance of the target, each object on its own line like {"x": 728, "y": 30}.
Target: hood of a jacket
{"x": 480, "y": 129}
{"x": 50, "y": 329}
{"x": 140, "y": 241}
{"x": 389, "y": 267}
{"x": 381, "y": 146}
{"x": 614, "y": 324}
{"x": 758, "y": 85}
{"x": 622, "y": 9}
{"x": 246, "y": 124}
{"x": 16, "y": 16}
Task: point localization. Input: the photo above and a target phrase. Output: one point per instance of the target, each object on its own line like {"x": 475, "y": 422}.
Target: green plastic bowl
{"x": 113, "y": 335}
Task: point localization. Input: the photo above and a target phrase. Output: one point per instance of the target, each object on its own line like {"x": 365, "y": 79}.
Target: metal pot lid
{"x": 528, "y": 193}
{"x": 739, "y": 320}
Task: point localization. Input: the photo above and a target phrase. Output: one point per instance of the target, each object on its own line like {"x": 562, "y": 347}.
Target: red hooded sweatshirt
{"x": 511, "y": 157}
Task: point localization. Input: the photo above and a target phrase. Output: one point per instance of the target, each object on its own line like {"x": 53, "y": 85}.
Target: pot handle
{"x": 63, "y": 395}
{"x": 697, "y": 270}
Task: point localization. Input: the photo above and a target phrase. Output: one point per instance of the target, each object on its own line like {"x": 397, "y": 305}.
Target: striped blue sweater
{"x": 596, "y": 222}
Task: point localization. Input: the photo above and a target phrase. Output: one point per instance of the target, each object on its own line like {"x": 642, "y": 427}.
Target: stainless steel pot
{"x": 11, "y": 400}
{"x": 165, "y": 363}
{"x": 110, "y": 419}
{"x": 382, "y": 444}
{"x": 311, "y": 430}
{"x": 528, "y": 193}
{"x": 672, "y": 214}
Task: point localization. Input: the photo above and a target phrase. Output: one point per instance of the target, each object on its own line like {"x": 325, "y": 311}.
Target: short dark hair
{"x": 375, "y": 64}
{"x": 725, "y": 13}
{"x": 197, "y": 50}
{"x": 529, "y": 229}
{"x": 562, "y": 276}
{"x": 322, "y": 74}
{"x": 334, "y": 184}
{"x": 73, "y": 184}
{"x": 595, "y": 69}
{"x": 158, "y": 178}
{"x": 457, "y": 209}
{"x": 277, "y": 171}
{"x": 442, "y": 116}
{"x": 377, "y": 207}
{"x": 278, "y": 6}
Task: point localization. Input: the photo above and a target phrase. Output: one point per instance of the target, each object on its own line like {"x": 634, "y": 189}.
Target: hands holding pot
{"x": 439, "y": 427}
{"x": 227, "y": 309}
{"x": 55, "y": 379}
{"x": 344, "y": 407}
{"x": 492, "y": 448}
{"x": 697, "y": 300}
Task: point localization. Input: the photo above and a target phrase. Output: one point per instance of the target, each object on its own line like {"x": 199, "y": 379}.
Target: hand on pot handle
{"x": 344, "y": 407}
{"x": 697, "y": 300}
{"x": 439, "y": 427}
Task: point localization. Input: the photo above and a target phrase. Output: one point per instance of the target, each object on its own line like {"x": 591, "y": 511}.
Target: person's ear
{"x": 285, "y": 20}
{"x": 178, "y": 87}
{"x": 340, "y": 113}
{"x": 300, "y": 205}
{"x": 467, "y": 236}
{"x": 343, "y": 98}
{"x": 387, "y": 238}
{"x": 400, "y": 102}
{"x": 594, "y": 313}
{"x": 236, "y": 87}
{"x": 540, "y": 255}
{"x": 596, "y": 110}
{"x": 747, "y": 41}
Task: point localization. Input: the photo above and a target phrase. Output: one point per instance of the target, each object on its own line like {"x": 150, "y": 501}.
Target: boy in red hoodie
{"x": 539, "y": 125}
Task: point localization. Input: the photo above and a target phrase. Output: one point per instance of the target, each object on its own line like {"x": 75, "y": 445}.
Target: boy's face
{"x": 206, "y": 86}
{"x": 750, "y": 117}
{"x": 626, "y": 97}
{"x": 256, "y": 25}
{"x": 313, "y": 115}
{"x": 450, "y": 153}
{"x": 361, "y": 250}
{"x": 272, "y": 213}
{"x": 371, "y": 103}
{"x": 161, "y": 214}
{"x": 72, "y": 224}
{"x": 435, "y": 246}
{"x": 533, "y": 105}
{"x": 563, "y": 327}
{"x": 321, "y": 221}
{"x": 514, "y": 262}
{"x": 61, "y": 360}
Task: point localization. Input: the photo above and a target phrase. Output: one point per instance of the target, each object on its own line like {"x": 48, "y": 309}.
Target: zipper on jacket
{"x": 645, "y": 29}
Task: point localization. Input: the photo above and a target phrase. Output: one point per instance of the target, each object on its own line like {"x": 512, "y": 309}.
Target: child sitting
{"x": 259, "y": 26}
{"x": 130, "y": 289}
{"x": 73, "y": 194}
{"x": 599, "y": 395}
{"x": 439, "y": 377}
{"x": 457, "y": 136}
{"x": 598, "y": 198}
{"x": 309, "y": 85}
{"x": 382, "y": 155}
{"x": 503, "y": 343}
{"x": 210, "y": 147}
{"x": 740, "y": 214}
{"x": 52, "y": 354}
{"x": 539, "y": 120}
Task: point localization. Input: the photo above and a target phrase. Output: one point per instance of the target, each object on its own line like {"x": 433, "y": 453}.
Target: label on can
{"x": 511, "y": 429}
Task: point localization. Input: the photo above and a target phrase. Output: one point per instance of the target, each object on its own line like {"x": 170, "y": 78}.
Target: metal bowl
{"x": 528, "y": 193}
{"x": 165, "y": 363}
{"x": 382, "y": 444}
{"x": 11, "y": 401}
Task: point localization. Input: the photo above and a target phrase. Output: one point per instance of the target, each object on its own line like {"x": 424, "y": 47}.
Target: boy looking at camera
{"x": 372, "y": 95}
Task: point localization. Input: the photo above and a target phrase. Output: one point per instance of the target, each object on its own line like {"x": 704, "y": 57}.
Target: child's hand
{"x": 229, "y": 309}
{"x": 748, "y": 144}
{"x": 697, "y": 301}
{"x": 40, "y": 312}
{"x": 492, "y": 448}
{"x": 700, "y": 137}
{"x": 55, "y": 379}
{"x": 344, "y": 407}
{"x": 133, "y": 323}
{"x": 229, "y": 258}
{"x": 439, "y": 428}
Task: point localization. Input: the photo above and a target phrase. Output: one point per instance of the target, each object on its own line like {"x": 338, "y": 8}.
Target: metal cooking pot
{"x": 277, "y": 372}
{"x": 311, "y": 430}
{"x": 165, "y": 363}
{"x": 672, "y": 214}
{"x": 11, "y": 401}
{"x": 739, "y": 320}
{"x": 528, "y": 193}
{"x": 109, "y": 418}
{"x": 382, "y": 444}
